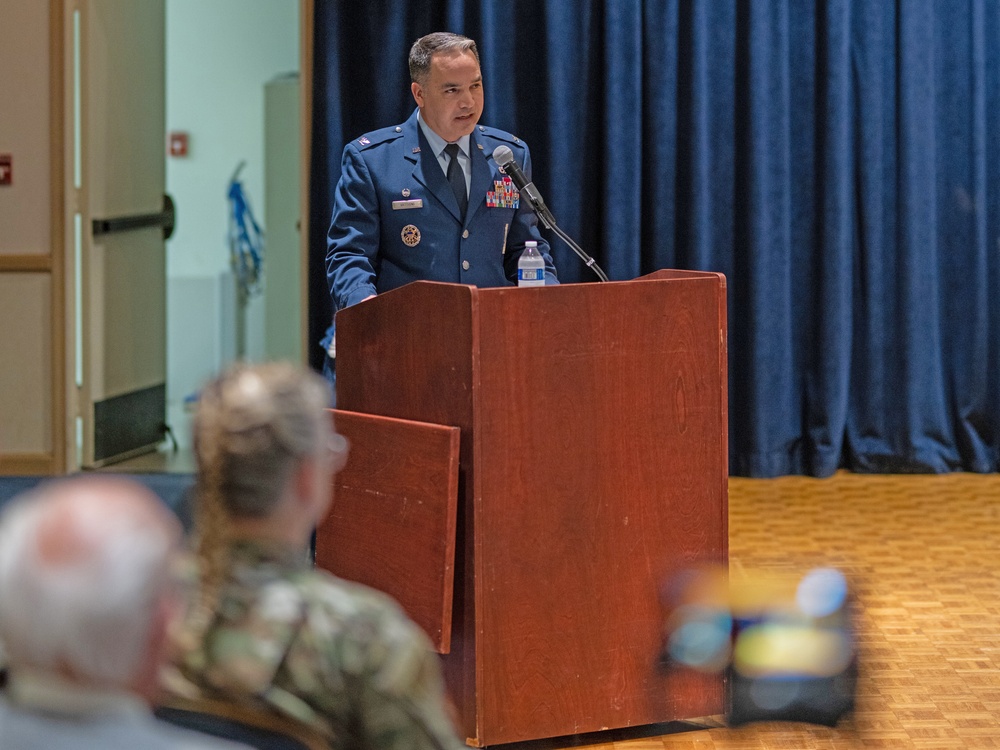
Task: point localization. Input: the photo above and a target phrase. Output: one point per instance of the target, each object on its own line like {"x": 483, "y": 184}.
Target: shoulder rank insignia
{"x": 363, "y": 140}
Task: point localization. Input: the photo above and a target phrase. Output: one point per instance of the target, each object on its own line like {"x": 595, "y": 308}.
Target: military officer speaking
{"x": 425, "y": 200}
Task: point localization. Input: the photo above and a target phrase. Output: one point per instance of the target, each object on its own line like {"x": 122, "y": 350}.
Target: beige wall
{"x": 26, "y": 372}
{"x": 30, "y": 224}
{"x": 24, "y": 127}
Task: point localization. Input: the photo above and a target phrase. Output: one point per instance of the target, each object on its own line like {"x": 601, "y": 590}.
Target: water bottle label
{"x": 529, "y": 274}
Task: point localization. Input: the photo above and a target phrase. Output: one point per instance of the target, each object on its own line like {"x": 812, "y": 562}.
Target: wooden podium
{"x": 592, "y": 466}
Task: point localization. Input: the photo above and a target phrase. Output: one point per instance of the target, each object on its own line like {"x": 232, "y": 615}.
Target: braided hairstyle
{"x": 255, "y": 423}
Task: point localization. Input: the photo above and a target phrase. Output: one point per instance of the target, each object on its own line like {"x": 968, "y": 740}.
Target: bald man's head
{"x": 84, "y": 567}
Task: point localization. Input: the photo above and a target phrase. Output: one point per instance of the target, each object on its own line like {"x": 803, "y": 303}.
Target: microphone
{"x": 504, "y": 158}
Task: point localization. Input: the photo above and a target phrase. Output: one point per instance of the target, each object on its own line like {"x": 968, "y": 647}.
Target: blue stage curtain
{"x": 837, "y": 160}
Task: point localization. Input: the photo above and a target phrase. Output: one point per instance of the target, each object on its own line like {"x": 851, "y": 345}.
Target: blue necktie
{"x": 457, "y": 178}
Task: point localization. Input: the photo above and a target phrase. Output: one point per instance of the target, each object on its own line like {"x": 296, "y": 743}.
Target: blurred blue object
{"x": 246, "y": 241}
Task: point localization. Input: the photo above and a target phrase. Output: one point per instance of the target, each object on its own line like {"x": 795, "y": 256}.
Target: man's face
{"x": 451, "y": 99}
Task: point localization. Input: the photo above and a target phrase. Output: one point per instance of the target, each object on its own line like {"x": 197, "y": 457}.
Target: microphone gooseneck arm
{"x": 587, "y": 260}
{"x": 504, "y": 158}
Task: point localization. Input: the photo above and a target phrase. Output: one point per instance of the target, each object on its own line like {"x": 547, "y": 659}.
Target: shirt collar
{"x": 437, "y": 143}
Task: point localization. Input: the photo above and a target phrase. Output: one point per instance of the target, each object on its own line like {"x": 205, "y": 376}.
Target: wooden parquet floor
{"x": 922, "y": 554}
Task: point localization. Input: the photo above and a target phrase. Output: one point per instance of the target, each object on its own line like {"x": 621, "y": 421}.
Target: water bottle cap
{"x": 531, "y": 243}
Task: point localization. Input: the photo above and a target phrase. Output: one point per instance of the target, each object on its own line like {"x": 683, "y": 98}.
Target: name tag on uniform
{"x": 417, "y": 203}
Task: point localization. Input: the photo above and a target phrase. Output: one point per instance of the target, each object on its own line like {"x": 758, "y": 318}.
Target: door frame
{"x": 306, "y": 27}
{"x": 65, "y": 395}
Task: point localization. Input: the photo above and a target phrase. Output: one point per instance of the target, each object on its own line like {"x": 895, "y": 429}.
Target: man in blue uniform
{"x": 425, "y": 200}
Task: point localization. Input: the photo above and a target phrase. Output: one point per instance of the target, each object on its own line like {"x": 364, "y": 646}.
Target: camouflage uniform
{"x": 337, "y": 656}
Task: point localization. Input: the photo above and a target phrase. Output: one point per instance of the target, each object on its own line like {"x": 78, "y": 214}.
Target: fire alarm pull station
{"x": 6, "y": 169}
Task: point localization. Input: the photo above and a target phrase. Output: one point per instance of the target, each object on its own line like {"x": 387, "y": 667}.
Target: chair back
{"x": 263, "y": 730}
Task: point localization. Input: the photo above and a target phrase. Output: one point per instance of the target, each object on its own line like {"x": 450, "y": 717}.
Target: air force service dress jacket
{"x": 396, "y": 219}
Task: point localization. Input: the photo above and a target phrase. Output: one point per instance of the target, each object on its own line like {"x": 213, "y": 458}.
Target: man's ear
{"x": 418, "y": 93}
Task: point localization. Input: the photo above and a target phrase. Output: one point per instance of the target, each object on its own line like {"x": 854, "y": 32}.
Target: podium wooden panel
{"x": 593, "y": 465}
{"x": 391, "y": 524}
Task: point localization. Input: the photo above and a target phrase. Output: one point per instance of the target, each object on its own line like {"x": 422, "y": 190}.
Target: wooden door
{"x": 116, "y": 189}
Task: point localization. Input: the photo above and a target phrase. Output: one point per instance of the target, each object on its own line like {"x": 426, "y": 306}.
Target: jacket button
{"x": 465, "y": 234}
{"x": 465, "y": 265}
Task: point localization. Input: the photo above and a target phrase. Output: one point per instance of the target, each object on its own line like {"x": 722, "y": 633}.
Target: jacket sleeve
{"x": 524, "y": 228}
{"x": 353, "y": 240}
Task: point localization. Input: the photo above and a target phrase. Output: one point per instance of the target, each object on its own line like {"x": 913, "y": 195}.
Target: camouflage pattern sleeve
{"x": 387, "y": 666}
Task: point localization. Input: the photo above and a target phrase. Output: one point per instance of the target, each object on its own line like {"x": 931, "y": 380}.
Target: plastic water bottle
{"x": 531, "y": 266}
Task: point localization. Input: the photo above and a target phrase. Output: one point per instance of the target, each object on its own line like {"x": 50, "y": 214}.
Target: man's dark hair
{"x": 427, "y": 46}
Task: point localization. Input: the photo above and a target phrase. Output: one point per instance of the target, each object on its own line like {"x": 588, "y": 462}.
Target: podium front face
{"x": 592, "y": 467}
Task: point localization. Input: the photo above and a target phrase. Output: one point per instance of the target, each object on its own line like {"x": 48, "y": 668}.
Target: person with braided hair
{"x": 266, "y": 630}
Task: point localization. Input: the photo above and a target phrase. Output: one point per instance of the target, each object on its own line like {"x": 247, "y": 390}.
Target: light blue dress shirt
{"x": 438, "y": 144}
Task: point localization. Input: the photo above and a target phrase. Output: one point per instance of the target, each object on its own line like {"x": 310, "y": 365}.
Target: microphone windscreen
{"x": 503, "y": 155}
